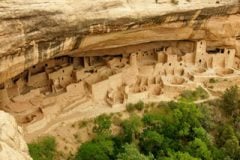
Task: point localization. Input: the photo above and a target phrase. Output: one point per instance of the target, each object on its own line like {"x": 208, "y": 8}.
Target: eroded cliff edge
{"x": 12, "y": 144}
{"x": 31, "y": 32}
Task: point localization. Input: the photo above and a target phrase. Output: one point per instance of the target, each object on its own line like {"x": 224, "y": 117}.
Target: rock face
{"x": 34, "y": 31}
{"x": 12, "y": 144}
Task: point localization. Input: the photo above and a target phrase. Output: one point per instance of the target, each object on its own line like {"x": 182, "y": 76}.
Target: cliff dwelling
{"x": 155, "y": 71}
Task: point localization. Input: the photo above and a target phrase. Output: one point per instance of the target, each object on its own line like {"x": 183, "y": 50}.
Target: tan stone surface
{"x": 12, "y": 144}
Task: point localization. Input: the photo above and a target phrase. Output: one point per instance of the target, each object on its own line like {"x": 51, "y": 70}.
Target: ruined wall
{"x": 38, "y": 80}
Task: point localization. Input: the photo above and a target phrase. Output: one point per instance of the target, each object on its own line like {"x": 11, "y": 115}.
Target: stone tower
{"x": 200, "y": 52}
{"x": 133, "y": 59}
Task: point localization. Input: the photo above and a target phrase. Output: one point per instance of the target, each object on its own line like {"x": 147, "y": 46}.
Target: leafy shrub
{"x": 102, "y": 124}
{"x": 180, "y": 156}
{"x": 116, "y": 120}
{"x": 211, "y": 115}
{"x": 130, "y": 107}
{"x": 228, "y": 141}
{"x": 138, "y": 106}
{"x": 230, "y": 101}
{"x": 212, "y": 80}
{"x": 198, "y": 94}
{"x": 43, "y": 149}
{"x": 151, "y": 141}
{"x": 198, "y": 148}
{"x": 131, "y": 152}
{"x": 132, "y": 127}
{"x": 100, "y": 149}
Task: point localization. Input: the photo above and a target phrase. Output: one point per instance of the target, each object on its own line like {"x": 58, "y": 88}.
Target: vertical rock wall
{"x": 12, "y": 144}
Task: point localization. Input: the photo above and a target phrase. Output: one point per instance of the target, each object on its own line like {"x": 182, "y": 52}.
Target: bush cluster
{"x": 195, "y": 95}
{"x": 133, "y": 107}
{"x": 43, "y": 149}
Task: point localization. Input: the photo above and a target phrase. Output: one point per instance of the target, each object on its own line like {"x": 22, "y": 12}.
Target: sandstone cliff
{"x": 12, "y": 144}
{"x": 33, "y": 31}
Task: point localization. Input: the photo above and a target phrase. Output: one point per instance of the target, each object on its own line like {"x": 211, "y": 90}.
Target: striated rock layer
{"x": 12, "y": 144}
{"x": 34, "y": 31}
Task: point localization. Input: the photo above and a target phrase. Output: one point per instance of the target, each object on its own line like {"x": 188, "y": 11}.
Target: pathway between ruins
{"x": 83, "y": 112}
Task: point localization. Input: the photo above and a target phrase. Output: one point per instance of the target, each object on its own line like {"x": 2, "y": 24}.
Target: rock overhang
{"x": 37, "y": 31}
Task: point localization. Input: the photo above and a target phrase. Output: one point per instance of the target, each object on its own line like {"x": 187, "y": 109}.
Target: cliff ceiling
{"x": 34, "y": 31}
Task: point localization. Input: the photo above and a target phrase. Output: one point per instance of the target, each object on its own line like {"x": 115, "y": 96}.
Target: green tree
{"x": 232, "y": 148}
{"x": 218, "y": 153}
{"x": 100, "y": 149}
{"x": 225, "y": 132}
{"x": 197, "y": 94}
{"x": 230, "y": 101}
{"x": 180, "y": 123}
{"x": 180, "y": 156}
{"x": 131, "y": 153}
{"x": 173, "y": 131}
{"x": 43, "y": 149}
{"x": 228, "y": 141}
{"x": 151, "y": 142}
{"x": 132, "y": 107}
{"x": 102, "y": 124}
{"x": 153, "y": 121}
{"x": 202, "y": 134}
{"x": 132, "y": 128}
{"x": 199, "y": 149}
